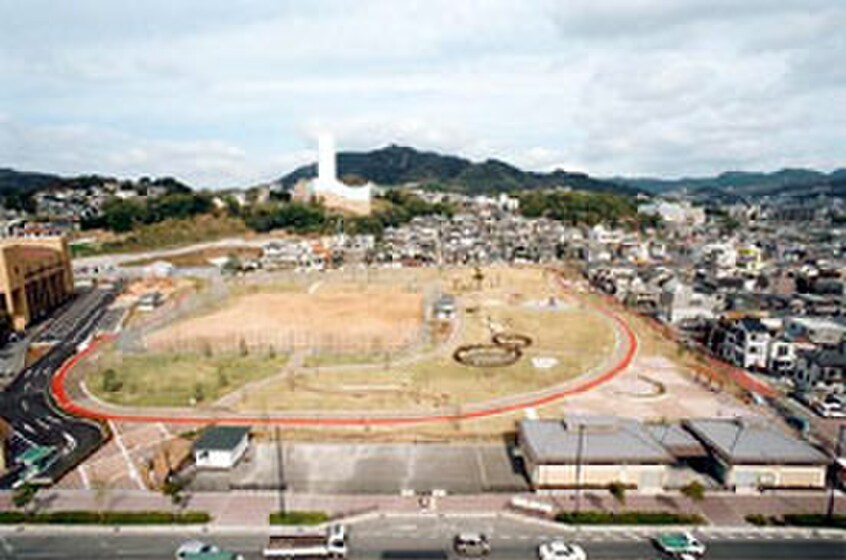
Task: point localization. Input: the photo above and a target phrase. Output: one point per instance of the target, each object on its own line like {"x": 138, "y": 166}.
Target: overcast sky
{"x": 222, "y": 93}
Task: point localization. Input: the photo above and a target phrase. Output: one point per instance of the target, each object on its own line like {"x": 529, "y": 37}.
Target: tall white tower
{"x": 326, "y": 172}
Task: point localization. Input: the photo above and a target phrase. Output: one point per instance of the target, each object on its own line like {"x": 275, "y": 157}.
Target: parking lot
{"x": 374, "y": 468}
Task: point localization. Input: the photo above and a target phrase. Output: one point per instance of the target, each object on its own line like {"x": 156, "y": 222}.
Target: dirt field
{"x": 523, "y": 301}
{"x": 344, "y": 321}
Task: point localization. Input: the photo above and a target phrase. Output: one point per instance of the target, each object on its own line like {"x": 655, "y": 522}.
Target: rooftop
{"x": 221, "y": 438}
{"x": 604, "y": 440}
{"x": 753, "y": 441}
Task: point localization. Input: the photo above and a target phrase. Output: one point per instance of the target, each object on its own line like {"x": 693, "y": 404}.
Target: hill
{"x": 399, "y": 165}
{"x": 796, "y": 183}
{"x": 12, "y": 181}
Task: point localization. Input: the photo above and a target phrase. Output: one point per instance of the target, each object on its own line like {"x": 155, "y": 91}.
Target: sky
{"x": 223, "y": 93}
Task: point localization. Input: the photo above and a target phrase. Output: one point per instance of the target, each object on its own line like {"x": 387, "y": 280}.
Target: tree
{"x": 478, "y": 277}
{"x": 111, "y": 383}
{"x": 694, "y": 490}
{"x": 618, "y": 492}
{"x": 24, "y": 495}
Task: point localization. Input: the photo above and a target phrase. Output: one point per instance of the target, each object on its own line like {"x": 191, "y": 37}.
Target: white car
{"x": 561, "y": 550}
{"x": 198, "y": 550}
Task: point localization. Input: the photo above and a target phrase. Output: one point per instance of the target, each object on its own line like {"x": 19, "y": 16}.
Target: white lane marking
{"x": 83, "y": 475}
{"x": 42, "y": 424}
{"x": 28, "y": 428}
{"x": 25, "y": 405}
{"x": 133, "y": 472}
{"x": 8, "y": 549}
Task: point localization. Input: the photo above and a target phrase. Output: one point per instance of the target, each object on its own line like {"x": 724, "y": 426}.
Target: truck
{"x": 308, "y": 542}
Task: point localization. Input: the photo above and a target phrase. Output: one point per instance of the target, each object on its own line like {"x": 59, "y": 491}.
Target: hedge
{"x": 106, "y": 518}
{"x": 298, "y": 518}
{"x": 629, "y": 518}
{"x": 799, "y": 520}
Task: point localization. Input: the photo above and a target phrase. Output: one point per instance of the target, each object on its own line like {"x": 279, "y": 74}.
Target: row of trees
{"x": 395, "y": 208}
{"x": 123, "y": 215}
{"x": 577, "y": 208}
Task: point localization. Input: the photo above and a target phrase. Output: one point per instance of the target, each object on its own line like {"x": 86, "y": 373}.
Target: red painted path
{"x": 64, "y": 400}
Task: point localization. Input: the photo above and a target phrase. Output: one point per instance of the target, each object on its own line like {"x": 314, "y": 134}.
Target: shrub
{"x": 298, "y": 517}
{"x": 815, "y": 520}
{"x": 629, "y": 518}
{"x": 108, "y": 518}
{"x": 695, "y": 491}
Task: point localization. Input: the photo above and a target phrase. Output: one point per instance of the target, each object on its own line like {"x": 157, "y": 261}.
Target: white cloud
{"x": 197, "y": 89}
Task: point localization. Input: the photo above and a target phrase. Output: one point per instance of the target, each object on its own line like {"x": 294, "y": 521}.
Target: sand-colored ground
{"x": 521, "y": 301}
{"x": 346, "y": 320}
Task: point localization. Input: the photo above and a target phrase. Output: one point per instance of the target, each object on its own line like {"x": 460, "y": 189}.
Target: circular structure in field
{"x": 487, "y": 355}
{"x": 513, "y": 340}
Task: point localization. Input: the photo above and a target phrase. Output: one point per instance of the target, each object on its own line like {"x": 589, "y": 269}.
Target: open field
{"x": 201, "y": 257}
{"x": 343, "y": 321}
{"x": 178, "y": 379}
{"x": 513, "y": 300}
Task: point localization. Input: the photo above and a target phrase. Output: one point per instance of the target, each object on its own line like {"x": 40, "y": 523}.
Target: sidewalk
{"x": 252, "y": 508}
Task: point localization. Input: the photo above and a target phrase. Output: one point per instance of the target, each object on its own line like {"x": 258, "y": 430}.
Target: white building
{"x": 221, "y": 447}
{"x": 333, "y": 192}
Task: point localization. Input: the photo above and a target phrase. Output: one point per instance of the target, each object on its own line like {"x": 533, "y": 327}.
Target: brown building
{"x": 35, "y": 277}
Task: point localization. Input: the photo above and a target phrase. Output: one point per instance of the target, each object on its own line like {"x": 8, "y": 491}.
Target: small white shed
{"x": 221, "y": 447}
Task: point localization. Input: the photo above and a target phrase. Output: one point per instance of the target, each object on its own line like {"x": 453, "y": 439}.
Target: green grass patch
{"x": 298, "y": 517}
{"x": 177, "y": 379}
{"x": 169, "y": 233}
{"x": 629, "y": 518}
{"x": 106, "y": 518}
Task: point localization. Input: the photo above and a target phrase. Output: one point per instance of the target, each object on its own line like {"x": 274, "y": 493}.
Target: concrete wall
{"x": 749, "y": 478}
{"x": 216, "y": 459}
{"x": 647, "y": 478}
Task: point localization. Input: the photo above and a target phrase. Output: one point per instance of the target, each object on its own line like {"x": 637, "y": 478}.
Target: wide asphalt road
{"x": 26, "y": 403}
{"x": 62, "y": 544}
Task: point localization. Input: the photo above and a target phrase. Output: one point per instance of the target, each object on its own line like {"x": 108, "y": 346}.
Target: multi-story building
{"x": 35, "y": 277}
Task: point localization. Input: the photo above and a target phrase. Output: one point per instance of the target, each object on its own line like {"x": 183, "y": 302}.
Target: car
{"x": 561, "y": 550}
{"x": 198, "y": 550}
{"x": 471, "y": 544}
{"x": 680, "y": 543}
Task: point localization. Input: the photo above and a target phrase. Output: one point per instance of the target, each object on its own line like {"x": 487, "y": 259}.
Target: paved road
{"x": 154, "y": 543}
{"x": 26, "y": 403}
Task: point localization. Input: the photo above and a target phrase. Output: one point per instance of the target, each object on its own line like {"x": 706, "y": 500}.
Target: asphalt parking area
{"x": 392, "y": 468}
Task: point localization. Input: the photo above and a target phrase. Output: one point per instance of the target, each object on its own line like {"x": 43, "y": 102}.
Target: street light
{"x": 832, "y": 475}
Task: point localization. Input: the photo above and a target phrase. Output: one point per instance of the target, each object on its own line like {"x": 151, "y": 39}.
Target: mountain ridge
{"x": 398, "y": 165}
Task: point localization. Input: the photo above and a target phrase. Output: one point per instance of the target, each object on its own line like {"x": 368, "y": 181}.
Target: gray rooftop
{"x": 676, "y": 440}
{"x": 221, "y": 438}
{"x": 753, "y": 441}
{"x": 604, "y": 441}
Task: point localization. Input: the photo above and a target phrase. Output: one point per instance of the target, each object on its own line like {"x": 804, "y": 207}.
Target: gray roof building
{"x": 599, "y": 440}
{"x": 221, "y": 438}
{"x": 753, "y": 442}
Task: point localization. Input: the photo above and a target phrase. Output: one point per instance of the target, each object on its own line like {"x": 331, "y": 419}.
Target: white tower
{"x": 326, "y": 172}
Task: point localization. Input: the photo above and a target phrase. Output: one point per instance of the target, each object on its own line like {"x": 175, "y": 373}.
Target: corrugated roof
{"x": 221, "y": 438}
{"x": 604, "y": 441}
{"x": 753, "y": 441}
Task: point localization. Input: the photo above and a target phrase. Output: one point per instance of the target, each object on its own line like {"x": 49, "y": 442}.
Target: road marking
{"x": 133, "y": 472}
{"x": 83, "y": 475}
{"x": 8, "y": 549}
{"x": 25, "y": 405}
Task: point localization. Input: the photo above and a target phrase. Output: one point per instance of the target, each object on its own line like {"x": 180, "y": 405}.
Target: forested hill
{"x": 397, "y": 165}
{"x": 786, "y": 182}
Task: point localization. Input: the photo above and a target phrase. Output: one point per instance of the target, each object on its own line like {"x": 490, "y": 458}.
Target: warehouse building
{"x": 35, "y": 278}
{"x": 592, "y": 452}
{"x": 748, "y": 455}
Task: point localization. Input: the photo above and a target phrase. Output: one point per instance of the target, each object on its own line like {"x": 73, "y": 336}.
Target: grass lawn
{"x": 175, "y": 379}
{"x": 578, "y": 339}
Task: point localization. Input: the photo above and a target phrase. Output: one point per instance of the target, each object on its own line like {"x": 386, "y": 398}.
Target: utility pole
{"x": 579, "y": 448}
{"x": 280, "y": 472}
{"x": 832, "y": 474}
